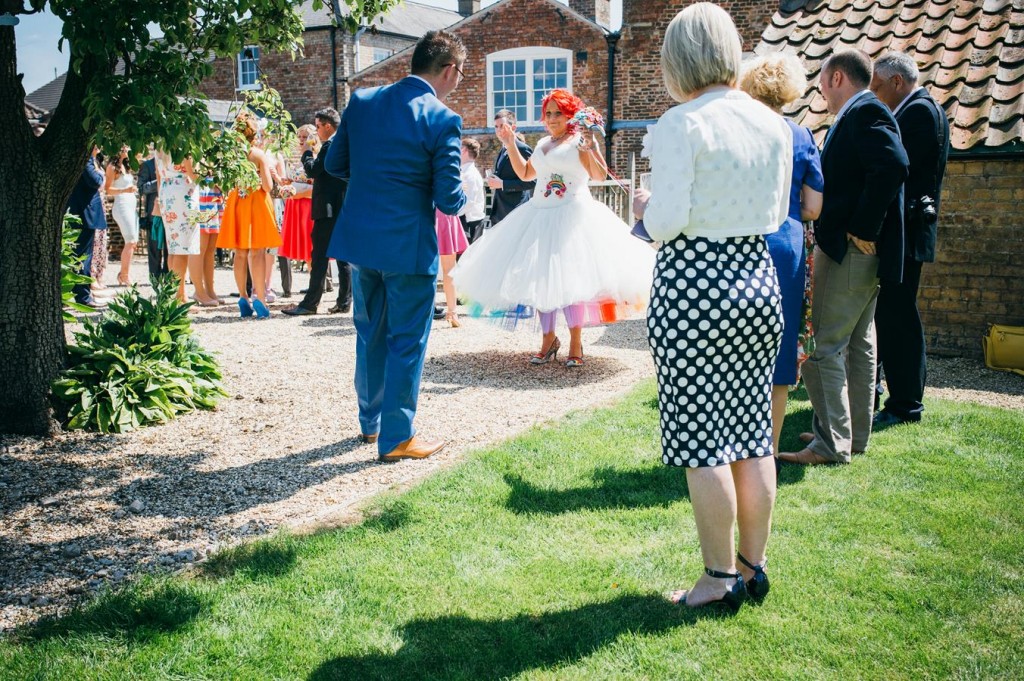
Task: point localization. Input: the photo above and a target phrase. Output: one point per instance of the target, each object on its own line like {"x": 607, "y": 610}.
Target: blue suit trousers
{"x": 392, "y": 314}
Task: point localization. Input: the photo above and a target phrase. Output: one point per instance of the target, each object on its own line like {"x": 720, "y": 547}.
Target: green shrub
{"x": 138, "y": 365}
{"x": 70, "y": 264}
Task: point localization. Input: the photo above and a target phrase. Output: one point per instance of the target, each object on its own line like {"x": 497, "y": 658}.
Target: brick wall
{"x": 977, "y": 276}
{"x": 305, "y": 84}
{"x": 640, "y": 92}
{"x": 518, "y": 23}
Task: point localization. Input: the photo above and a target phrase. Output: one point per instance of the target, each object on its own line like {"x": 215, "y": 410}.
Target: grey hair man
{"x": 924, "y": 131}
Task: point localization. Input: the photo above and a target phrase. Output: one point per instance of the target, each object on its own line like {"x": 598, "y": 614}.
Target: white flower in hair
{"x": 646, "y": 151}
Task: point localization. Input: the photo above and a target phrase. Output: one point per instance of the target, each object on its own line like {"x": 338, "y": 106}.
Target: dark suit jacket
{"x": 328, "y": 191}
{"x": 925, "y": 132}
{"x": 85, "y": 199}
{"x": 514, "y": 192}
{"x": 864, "y": 165}
{"x": 148, "y": 186}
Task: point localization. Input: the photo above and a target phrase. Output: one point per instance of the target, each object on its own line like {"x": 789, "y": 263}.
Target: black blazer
{"x": 148, "y": 186}
{"x": 85, "y": 199}
{"x": 328, "y": 190}
{"x": 925, "y": 132}
{"x": 514, "y": 191}
{"x": 864, "y": 165}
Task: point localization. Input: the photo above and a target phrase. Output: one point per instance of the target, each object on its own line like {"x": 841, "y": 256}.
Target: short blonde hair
{"x": 701, "y": 48}
{"x": 775, "y": 79}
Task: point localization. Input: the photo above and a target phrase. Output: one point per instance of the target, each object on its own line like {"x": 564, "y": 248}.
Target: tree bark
{"x": 36, "y": 179}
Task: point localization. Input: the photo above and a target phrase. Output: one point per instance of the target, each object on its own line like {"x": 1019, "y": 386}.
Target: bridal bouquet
{"x": 590, "y": 119}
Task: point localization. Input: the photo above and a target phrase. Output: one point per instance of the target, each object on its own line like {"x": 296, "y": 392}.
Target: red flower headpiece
{"x": 567, "y": 103}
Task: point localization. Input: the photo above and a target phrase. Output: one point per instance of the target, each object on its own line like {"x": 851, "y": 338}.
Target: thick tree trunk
{"x": 36, "y": 178}
{"x": 31, "y": 327}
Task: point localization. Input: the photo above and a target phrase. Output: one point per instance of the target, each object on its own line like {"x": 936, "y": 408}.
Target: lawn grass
{"x": 547, "y": 558}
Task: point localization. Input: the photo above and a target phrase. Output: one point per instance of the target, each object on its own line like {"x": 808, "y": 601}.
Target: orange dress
{"x": 248, "y": 222}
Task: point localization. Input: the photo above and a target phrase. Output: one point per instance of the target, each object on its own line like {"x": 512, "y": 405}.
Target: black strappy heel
{"x": 733, "y": 598}
{"x": 758, "y": 586}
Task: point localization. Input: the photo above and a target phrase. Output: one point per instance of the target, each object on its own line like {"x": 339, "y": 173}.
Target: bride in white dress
{"x": 120, "y": 184}
{"x": 563, "y": 249}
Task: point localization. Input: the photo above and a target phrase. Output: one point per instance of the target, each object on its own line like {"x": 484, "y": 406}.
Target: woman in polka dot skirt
{"x": 720, "y": 175}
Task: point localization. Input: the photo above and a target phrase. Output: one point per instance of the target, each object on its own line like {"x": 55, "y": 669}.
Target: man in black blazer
{"x": 925, "y": 133}
{"x": 86, "y": 204}
{"x": 859, "y": 238}
{"x": 149, "y": 186}
{"x": 509, "y": 191}
{"x": 328, "y": 195}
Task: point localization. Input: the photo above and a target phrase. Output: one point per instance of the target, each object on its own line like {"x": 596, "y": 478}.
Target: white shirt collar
{"x": 905, "y": 99}
{"x": 849, "y": 103}
{"x": 432, "y": 90}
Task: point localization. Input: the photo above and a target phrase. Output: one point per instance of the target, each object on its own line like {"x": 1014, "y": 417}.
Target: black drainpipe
{"x": 613, "y": 39}
{"x": 334, "y": 64}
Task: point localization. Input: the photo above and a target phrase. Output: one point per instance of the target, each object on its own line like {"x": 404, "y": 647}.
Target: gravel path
{"x": 83, "y": 511}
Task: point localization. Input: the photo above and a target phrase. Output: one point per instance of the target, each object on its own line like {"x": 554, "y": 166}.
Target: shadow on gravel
{"x": 630, "y": 334}
{"x": 612, "y": 489}
{"x": 263, "y": 559}
{"x": 136, "y": 615}
{"x": 510, "y": 369}
{"x": 462, "y": 647}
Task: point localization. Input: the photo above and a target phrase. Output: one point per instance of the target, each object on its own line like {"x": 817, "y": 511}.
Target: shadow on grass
{"x": 389, "y": 516}
{"x": 136, "y": 614}
{"x": 252, "y": 561}
{"x": 612, "y": 489}
{"x": 458, "y": 647}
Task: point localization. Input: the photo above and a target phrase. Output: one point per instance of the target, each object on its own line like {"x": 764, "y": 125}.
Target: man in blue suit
{"x": 399, "y": 148}
{"x": 86, "y": 204}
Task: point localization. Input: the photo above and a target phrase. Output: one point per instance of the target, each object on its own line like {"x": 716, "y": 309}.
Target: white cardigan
{"x": 721, "y": 166}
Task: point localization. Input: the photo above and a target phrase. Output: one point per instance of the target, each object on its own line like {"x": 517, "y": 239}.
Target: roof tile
{"x": 970, "y": 52}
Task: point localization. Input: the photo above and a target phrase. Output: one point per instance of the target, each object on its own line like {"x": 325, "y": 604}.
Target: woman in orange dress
{"x": 249, "y": 227}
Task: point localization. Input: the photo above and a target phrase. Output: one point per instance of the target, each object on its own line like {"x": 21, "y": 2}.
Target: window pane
{"x": 499, "y": 67}
{"x": 520, "y": 99}
{"x": 521, "y": 83}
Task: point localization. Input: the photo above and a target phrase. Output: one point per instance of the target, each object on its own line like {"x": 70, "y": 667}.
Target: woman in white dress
{"x": 179, "y": 197}
{"x": 562, "y": 250}
{"x": 120, "y": 184}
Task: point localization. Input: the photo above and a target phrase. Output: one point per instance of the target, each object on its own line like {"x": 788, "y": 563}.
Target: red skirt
{"x": 296, "y": 233}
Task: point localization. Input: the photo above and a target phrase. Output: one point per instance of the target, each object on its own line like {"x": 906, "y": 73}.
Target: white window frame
{"x": 528, "y": 54}
{"x": 382, "y": 51}
{"x": 255, "y": 85}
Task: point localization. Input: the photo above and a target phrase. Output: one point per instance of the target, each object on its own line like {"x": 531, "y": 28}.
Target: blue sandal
{"x": 244, "y": 307}
{"x": 261, "y": 310}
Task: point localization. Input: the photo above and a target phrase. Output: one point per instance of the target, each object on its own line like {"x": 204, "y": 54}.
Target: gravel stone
{"x": 137, "y": 506}
{"x": 219, "y": 479}
{"x": 72, "y": 551}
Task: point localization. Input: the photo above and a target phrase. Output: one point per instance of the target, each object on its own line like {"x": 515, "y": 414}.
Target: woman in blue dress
{"x": 776, "y": 80}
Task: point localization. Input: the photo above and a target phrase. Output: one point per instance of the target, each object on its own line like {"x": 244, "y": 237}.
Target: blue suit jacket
{"x": 399, "y": 148}
{"x": 85, "y": 201}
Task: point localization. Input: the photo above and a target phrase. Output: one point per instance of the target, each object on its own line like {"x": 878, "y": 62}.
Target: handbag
{"x": 1004, "y": 348}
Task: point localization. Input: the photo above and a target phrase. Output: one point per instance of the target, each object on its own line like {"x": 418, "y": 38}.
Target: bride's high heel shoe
{"x": 545, "y": 357}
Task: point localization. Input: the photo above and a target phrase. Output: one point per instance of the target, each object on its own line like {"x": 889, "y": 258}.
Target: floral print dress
{"x": 179, "y": 197}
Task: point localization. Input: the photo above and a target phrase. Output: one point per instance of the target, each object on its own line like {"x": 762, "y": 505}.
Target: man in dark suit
{"x": 509, "y": 191}
{"x": 859, "y": 238}
{"x": 925, "y": 133}
{"x": 399, "y": 148}
{"x": 328, "y": 197}
{"x": 87, "y": 205}
{"x": 149, "y": 186}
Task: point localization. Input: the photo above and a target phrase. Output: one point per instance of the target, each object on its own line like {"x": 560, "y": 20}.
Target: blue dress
{"x": 786, "y": 247}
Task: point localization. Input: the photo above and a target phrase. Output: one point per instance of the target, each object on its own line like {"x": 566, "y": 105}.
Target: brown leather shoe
{"x": 414, "y": 448}
{"x": 367, "y": 439}
{"x": 806, "y": 438}
{"x": 805, "y": 457}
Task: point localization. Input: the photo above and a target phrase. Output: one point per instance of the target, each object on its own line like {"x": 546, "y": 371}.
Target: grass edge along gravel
{"x": 547, "y": 556}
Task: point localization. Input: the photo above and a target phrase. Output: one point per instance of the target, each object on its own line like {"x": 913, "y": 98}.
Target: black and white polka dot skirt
{"x": 714, "y": 326}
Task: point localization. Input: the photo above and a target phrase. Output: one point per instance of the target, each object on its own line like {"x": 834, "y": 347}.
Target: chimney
{"x": 468, "y": 7}
{"x": 598, "y": 11}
